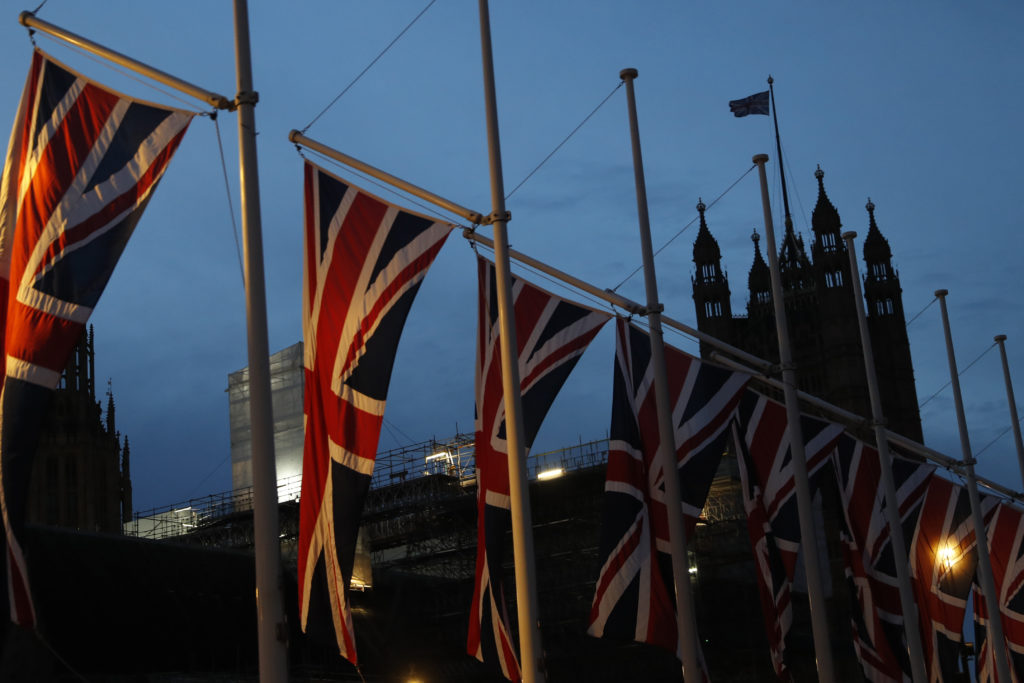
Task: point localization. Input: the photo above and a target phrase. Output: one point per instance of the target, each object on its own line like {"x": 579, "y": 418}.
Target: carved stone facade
{"x": 80, "y": 477}
{"x": 820, "y": 307}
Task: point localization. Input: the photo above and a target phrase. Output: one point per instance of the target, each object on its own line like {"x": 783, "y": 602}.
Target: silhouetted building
{"x": 820, "y": 304}
{"x": 80, "y": 476}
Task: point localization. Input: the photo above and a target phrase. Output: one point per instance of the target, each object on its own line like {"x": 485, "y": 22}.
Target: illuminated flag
{"x": 551, "y": 334}
{"x": 82, "y": 163}
{"x": 943, "y": 557}
{"x": 877, "y": 617}
{"x": 634, "y": 597}
{"x": 1006, "y": 552}
{"x": 364, "y": 262}
{"x": 766, "y": 473}
{"x": 755, "y": 104}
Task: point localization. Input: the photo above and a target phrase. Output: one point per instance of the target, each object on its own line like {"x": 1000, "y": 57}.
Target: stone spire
{"x": 759, "y": 281}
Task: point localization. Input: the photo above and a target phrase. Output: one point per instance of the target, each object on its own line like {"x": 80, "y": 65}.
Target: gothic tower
{"x": 77, "y": 477}
{"x": 710, "y": 284}
{"x": 820, "y": 307}
{"x": 887, "y": 325}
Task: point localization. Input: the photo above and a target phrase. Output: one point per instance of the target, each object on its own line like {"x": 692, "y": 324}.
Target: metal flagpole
{"x": 815, "y": 586}
{"x": 686, "y": 622}
{"x": 1014, "y": 419}
{"x": 996, "y": 638}
{"x": 892, "y": 512}
{"x": 522, "y": 523}
{"x": 271, "y": 627}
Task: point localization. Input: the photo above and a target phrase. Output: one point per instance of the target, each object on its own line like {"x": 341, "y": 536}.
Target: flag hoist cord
{"x": 725, "y": 354}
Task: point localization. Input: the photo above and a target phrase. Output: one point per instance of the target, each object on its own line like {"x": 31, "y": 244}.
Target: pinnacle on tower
{"x": 876, "y": 247}
{"x": 759, "y": 281}
{"x": 825, "y": 217}
{"x": 705, "y": 247}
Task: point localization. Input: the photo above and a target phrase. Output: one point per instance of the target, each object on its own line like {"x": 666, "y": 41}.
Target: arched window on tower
{"x": 713, "y": 309}
{"x": 878, "y": 270}
{"x": 828, "y": 241}
{"x": 707, "y": 271}
{"x": 834, "y": 279}
{"x": 884, "y": 307}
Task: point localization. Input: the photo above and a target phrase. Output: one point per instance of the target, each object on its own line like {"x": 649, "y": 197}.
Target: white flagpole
{"x": 892, "y": 513}
{"x": 815, "y": 586}
{"x": 686, "y": 623}
{"x": 996, "y": 639}
{"x": 1014, "y": 419}
{"x": 271, "y": 628}
{"x": 522, "y": 523}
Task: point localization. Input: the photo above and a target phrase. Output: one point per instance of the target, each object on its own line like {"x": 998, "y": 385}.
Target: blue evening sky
{"x": 916, "y": 105}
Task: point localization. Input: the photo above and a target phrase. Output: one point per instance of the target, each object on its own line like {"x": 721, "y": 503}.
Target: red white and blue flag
{"x": 876, "y": 616}
{"x": 364, "y": 262}
{"x": 943, "y": 557}
{"x": 1006, "y": 552}
{"x": 551, "y": 334}
{"x": 82, "y": 163}
{"x": 766, "y": 472}
{"x": 634, "y": 597}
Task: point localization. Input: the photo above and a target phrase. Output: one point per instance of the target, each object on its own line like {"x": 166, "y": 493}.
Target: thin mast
{"x": 996, "y": 639}
{"x": 271, "y": 628}
{"x": 892, "y": 513}
{"x": 1014, "y": 419}
{"x": 686, "y": 622}
{"x": 778, "y": 147}
{"x": 801, "y": 481}
{"x": 519, "y": 494}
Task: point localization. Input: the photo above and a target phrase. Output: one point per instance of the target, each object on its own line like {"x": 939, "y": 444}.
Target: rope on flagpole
{"x": 934, "y": 299}
{"x": 559, "y": 146}
{"x": 959, "y": 374}
{"x": 188, "y": 105}
{"x": 685, "y": 227}
{"x": 369, "y": 66}
{"x": 227, "y": 189}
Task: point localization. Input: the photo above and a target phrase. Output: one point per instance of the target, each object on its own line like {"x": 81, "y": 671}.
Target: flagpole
{"x": 778, "y": 146}
{"x": 996, "y": 639}
{"x": 271, "y": 627}
{"x": 1014, "y": 419}
{"x": 522, "y": 523}
{"x": 892, "y": 512}
{"x": 686, "y": 623}
{"x": 815, "y": 586}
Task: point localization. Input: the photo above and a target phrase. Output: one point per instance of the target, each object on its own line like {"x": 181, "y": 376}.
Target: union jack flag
{"x": 766, "y": 472}
{"x": 82, "y": 163}
{"x": 551, "y": 334}
{"x": 1006, "y": 552}
{"x": 634, "y": 597}
{"x": 943, "y": 557}
{"x": 877, "y": 618}
{"x": 364, "y": 262}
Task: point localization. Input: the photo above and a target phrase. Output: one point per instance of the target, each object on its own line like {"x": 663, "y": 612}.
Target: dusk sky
{"x": 915, "y": 105}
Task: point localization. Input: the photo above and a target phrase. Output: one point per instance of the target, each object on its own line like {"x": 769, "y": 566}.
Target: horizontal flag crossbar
{"x": 472, "y": 216}
{"x": 30, "y": 20}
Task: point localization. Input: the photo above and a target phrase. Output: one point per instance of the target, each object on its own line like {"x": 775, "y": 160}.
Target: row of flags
{"x": 713, "y": 410}
{"x": 82, "y": 164}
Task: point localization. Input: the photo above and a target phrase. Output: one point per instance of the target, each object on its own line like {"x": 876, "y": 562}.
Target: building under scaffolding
{"x": 418, "y": 533}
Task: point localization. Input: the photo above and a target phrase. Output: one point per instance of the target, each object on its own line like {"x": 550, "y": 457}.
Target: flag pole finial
{"x": 629, "y": 73}
{"x": 770, "y": 79}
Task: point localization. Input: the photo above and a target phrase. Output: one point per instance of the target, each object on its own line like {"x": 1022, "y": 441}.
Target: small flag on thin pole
{"x": 755, "y": 104}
